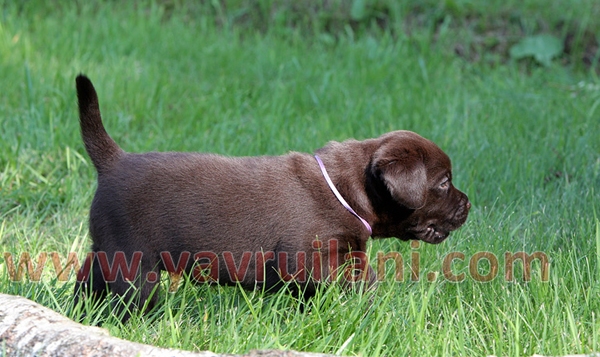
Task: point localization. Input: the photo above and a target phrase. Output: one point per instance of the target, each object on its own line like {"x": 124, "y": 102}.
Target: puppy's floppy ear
{"x": 404, "y": 175}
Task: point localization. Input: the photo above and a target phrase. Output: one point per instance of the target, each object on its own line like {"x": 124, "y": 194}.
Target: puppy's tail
{"x": 102, "y": 148}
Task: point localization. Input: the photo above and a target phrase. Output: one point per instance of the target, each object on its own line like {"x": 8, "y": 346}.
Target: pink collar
{"x": 339, "y": 196}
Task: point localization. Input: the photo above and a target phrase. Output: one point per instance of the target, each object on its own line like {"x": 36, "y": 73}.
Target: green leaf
{"x": 358, "y": 10}
{"x": 543, "y": 48}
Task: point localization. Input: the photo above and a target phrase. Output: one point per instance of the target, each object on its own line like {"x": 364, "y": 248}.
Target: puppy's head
{"x": 410, "y": 180}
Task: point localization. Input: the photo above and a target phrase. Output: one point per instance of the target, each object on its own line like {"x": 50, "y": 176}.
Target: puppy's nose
{"x": 468, "y": 205}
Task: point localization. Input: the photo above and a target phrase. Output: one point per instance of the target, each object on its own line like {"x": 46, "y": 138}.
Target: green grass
{"x": 523, "y": 140}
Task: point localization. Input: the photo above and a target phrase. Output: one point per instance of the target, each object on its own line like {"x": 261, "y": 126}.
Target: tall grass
{"x": 523, "y": 140}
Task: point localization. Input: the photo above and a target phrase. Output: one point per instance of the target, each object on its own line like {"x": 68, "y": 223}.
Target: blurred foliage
{"x": 475, "y": 30}
{"x": 478, "y": 31}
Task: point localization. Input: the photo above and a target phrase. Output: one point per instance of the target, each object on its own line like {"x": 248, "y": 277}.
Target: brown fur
{"x": 177, "y": 202}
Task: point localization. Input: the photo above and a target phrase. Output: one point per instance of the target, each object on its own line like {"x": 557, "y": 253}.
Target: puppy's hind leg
{"x": 90, "y": 287}
{"x": 139, "y": 293}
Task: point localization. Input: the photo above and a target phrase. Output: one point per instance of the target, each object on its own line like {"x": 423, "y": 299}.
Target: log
{"x": 30, "y": 329}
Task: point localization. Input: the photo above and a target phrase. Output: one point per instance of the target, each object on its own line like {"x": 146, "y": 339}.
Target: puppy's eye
{"x": 445, "y": 184}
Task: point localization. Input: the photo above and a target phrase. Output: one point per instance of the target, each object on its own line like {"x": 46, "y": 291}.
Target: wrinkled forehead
{"x": 434, "y": 157}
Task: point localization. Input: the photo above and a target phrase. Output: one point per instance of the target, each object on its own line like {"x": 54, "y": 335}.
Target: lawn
{"x": 179, "y": 76}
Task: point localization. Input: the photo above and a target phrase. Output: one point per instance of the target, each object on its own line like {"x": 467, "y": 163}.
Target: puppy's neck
{"x": 339, "y": 196}
{"x": 346, "y": 163}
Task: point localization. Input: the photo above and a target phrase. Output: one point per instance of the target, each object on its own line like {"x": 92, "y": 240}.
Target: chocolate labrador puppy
{"x": 256, "y": 221}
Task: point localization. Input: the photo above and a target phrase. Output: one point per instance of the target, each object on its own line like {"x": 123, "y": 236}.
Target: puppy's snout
{"x": 463, "y": 209}
{"x": 463, "y": 201}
